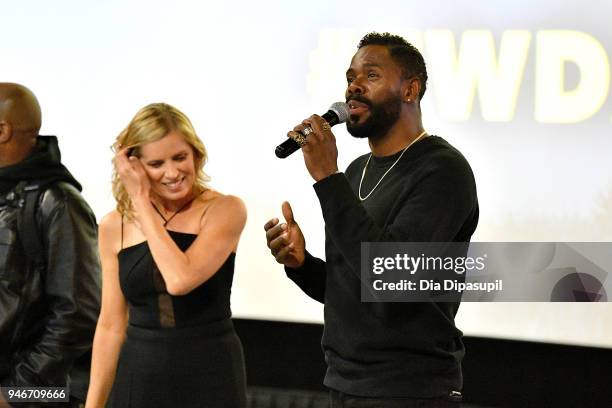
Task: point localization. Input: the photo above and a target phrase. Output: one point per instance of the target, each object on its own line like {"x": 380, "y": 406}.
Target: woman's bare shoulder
{"x": 225, "y": 205}
{"x": 111, "y": 222}
{"x": 229, "y": 201}
{"x": 109, "y": 232}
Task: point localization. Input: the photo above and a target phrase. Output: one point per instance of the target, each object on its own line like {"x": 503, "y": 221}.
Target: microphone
{"x": 337, "y": 113}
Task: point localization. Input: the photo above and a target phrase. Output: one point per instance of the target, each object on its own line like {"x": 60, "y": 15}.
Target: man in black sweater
{"x": 412, "y": 187}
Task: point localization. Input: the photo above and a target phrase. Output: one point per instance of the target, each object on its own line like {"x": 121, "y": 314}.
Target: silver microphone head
{"x": 340, "y": 109}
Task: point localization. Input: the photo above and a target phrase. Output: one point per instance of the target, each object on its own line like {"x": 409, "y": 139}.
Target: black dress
{"x": 180, "y": 351}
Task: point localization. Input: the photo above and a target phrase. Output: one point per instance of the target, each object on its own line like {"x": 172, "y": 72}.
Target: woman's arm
{"x": 112, "y": 323}
{"x": 217, "y": 238}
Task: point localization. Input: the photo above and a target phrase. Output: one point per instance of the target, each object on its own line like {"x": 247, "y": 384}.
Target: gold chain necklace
{"x": 388, "y": 170}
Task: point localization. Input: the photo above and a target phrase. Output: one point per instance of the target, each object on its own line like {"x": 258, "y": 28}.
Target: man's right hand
{"x": 286, "y": 241}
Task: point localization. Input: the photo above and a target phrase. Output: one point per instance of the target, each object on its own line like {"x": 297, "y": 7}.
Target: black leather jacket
{"x": 48, "y": 311}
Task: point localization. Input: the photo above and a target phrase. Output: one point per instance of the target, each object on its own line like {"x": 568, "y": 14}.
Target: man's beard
{"x": 383, "y": 116}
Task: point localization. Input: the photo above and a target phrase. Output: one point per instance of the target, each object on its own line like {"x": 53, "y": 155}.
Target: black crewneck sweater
{"x": 390, "y": 349}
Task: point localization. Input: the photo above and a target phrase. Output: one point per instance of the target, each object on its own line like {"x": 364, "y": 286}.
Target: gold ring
{"x": 326, "y": 126}
{"x": 299, "y": 138}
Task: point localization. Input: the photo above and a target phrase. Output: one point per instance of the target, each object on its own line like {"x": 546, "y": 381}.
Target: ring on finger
{"x": 325, "y": 126}
{"x": 298, "y": 138}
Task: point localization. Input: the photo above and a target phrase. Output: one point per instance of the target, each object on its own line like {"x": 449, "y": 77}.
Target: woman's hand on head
{"x": 132, "y": 175}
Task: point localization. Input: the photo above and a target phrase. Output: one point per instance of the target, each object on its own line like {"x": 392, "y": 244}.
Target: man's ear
{"x": 411, "y": 90}
{"x": 6, "y": 131}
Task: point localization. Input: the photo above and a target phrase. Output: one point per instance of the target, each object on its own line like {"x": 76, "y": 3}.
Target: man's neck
{"x": 402, "y": 134}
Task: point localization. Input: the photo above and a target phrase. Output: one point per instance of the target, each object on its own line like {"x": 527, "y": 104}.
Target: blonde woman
{"x": 167, "y": 255}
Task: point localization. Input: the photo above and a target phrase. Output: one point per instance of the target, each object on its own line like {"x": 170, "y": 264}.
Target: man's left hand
{"x": 320, "y": 151}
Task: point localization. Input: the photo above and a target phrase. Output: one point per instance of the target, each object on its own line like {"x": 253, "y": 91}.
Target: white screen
{"x": 521, "y": 88}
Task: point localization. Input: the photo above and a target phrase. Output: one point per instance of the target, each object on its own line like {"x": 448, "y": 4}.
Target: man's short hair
{"x": 405, "y": 55}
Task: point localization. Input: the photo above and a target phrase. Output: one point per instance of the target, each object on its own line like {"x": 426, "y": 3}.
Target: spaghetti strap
{"x": 121, "y": 232}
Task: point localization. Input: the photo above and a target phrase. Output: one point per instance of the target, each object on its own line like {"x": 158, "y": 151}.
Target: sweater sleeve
{"x": 435, "y": 209}
{"x": 310, "y": 277}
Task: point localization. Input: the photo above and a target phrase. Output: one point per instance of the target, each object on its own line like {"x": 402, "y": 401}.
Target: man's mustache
{"x": 359, "y": 98}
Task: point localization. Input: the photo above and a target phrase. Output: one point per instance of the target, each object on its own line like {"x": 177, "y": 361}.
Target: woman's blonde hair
{"x": 150, "y": 124}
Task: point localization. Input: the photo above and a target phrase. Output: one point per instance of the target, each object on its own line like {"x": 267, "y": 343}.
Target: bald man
{"x": 49, "y": 268}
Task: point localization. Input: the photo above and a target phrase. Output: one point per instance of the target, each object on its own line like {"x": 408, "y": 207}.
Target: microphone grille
{"x": 341, "y": 109}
